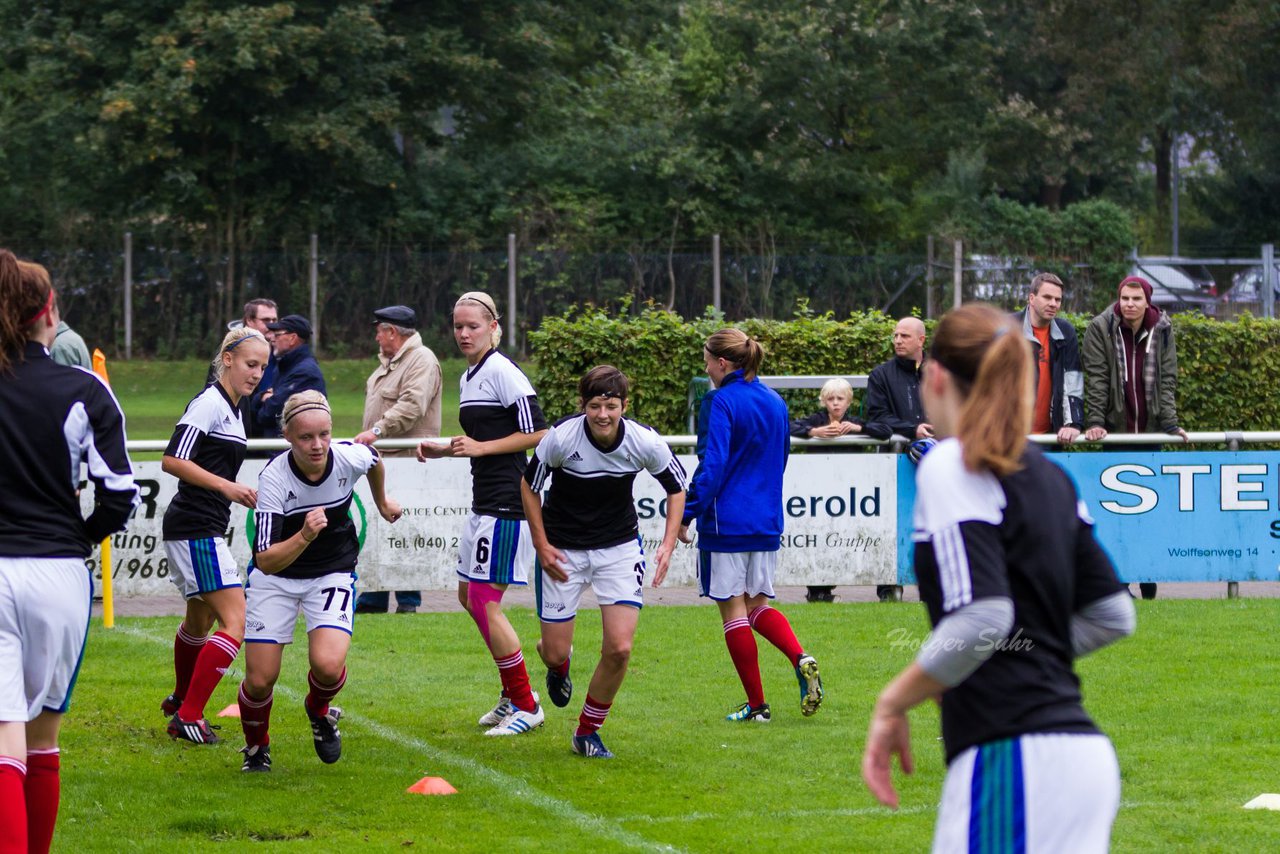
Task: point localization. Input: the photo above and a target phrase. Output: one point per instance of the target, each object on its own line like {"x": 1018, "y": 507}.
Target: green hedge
{"x": 1227, "y": 370}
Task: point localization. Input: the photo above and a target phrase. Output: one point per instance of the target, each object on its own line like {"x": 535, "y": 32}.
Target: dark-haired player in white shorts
{"x": 305, "y": 550}
{"x": 587, "y": 535}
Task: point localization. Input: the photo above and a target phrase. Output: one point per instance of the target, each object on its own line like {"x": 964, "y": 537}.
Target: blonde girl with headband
{"x": 305, "y": 550}
{"x": 205, "y": 454}
{"x": 57, "y": 423}
{"x": 736, "y": 499}
{"x": 1016, "y": 588}
{"x": 501, "y": 420}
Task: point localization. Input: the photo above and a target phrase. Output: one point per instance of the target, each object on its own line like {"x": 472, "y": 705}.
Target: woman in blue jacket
{"x": 736, "y": 498}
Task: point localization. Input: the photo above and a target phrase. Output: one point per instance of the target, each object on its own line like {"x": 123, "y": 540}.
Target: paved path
{"x": 447, "y": 600}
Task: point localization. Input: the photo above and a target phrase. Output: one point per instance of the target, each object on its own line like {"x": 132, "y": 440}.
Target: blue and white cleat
{"x": 498, "y": 713}
{"x": 759, "y": 714}
{"x": 518, "y": 722}
{"x": 810, "y": 684}
{"x": 591, "y": 746}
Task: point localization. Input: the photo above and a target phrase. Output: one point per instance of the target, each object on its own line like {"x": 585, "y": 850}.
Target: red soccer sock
{"x": 561, "y": 669}
{"x": 212, "y": 664}
{"x": 515, "y": 681}
{"x": 13, "y": 806}
{"x": 43, "y": 788}
{"x": 319, "y": 696}
{"x": 255, "y": 718}
{"x": 186, "y": 650}
{"x": 593, "y": 714}
{"x": 774, "y": 627}
{"x": 742, "y": 649}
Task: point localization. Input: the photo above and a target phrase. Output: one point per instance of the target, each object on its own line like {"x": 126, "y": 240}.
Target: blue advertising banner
{"x": 1165, "y": 516}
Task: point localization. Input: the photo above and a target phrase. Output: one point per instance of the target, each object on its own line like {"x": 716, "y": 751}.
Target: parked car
{"x": 1185, "y": 287}
{"x": 1246, "y": 291}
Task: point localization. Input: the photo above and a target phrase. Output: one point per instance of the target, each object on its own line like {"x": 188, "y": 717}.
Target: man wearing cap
{"x": 402, "y": 401}
{"x": 1131, "y": 372}
{"x": 296, "y": 370}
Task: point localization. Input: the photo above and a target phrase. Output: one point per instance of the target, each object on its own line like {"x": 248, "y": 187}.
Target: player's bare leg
{"x": 221, "y": 649}
{"x": 555, "y": 649}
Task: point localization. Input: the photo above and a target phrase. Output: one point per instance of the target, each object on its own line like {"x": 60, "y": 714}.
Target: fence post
{"x": 512, "y": 261}
{"x": 957, "y": 273}
{"x": 314, "y": 276}
{"x": 1268, "y": 280}
{"x": 715, "y": 271}
{"x": 128, "y": 295}
{"x": 929, "y": 308}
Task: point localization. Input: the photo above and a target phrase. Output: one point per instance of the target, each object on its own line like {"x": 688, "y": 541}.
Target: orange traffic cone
{"x": 432, "y": 786}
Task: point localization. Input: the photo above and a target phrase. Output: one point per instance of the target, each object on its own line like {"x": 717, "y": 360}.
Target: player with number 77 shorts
{"x": 305, "y": 548}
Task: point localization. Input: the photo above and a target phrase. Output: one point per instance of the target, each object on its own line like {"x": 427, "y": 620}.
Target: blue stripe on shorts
{"x": 997, "y": 805}
{"x": 502, "y": 557}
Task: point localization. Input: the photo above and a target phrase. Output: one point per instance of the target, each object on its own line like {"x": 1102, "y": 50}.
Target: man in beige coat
{"x": 402, "y": 401}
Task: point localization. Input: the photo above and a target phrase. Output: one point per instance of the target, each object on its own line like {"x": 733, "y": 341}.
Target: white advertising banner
{"x": 840, "y": 512}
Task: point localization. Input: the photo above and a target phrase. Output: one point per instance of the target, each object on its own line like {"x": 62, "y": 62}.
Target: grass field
{"x": 154, "y": 394}
{"x": 1187, "y": 702}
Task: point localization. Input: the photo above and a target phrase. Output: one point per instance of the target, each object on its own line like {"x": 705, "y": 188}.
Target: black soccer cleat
{"x": 256, "y": 758}
{"x": 324, "y": 730}
{"x": 559, "y": 688}
{"x": 196, "y": 732}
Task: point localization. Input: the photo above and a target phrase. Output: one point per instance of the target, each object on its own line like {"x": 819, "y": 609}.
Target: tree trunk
{"x": 1163, "y": 143}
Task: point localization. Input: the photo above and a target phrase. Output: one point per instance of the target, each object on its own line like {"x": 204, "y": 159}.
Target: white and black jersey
{"x": 497, "y": 400}
{"x": 53, "y": 420}
{"x": 590, "y": 505}
{"x": 1025, "y": 537}
{"x": 285, "y": 496}
{"x": 211, "y": 435}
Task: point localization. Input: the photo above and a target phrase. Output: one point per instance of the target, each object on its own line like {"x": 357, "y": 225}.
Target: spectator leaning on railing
{"x": 1059, "y": 404}
{"x": 1131, "y": 372}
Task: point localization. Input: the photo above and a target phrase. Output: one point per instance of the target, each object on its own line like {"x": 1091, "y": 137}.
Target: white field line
{"x": 829, "y": 813}
{"x": 599, "y": 826}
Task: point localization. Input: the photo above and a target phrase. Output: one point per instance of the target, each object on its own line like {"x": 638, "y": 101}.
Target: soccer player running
{"x": 1016, "y": 587}
{"x": 305, "y": 549}
{"x": 499, "y": 414}
{"x": 736, "y": 498}
{"x": 588, "y": 535}
{"x": 53, "y": 421}
{"x": 205, "y": 454}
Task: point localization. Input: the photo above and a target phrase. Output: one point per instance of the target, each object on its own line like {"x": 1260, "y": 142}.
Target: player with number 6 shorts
{"x": 499, "y": 414}
{"x": 587, "y": 535}
{"x": 305, "y": 549}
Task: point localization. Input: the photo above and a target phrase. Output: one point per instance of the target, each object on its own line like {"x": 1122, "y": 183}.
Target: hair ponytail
{"x": 24, "y": 289}
{"x": 738, "y": 349}
{"x": 990, "y": 361}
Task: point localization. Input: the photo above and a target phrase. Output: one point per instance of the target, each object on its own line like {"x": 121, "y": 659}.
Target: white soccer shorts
{"x": 201, "y": 566}
{"x": 272, "y": 605}
{"x": 1054, "y": 791}
{"x": 493, "y": 550}
{"x": 44, "y": 621}
{"x": 724, "y": 575}
{"x": 616, "y": 574}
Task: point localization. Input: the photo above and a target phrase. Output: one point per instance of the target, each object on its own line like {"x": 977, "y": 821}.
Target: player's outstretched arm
{"x": 675, "y": 512}
{"x": 890, "y": 734}
{"x": 388, "y": 508}
{"x": 550, "y": 557}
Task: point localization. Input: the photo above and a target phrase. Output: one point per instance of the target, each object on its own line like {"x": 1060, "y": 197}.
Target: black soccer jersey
{"x": 497, "y": 400}
{"x": 1026, "y": 537}
{"x": 589, "y": 505}
{"x": 285, "y": 496}
{"x": 53, "y": 420}
{"x": 211, "y": 435}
